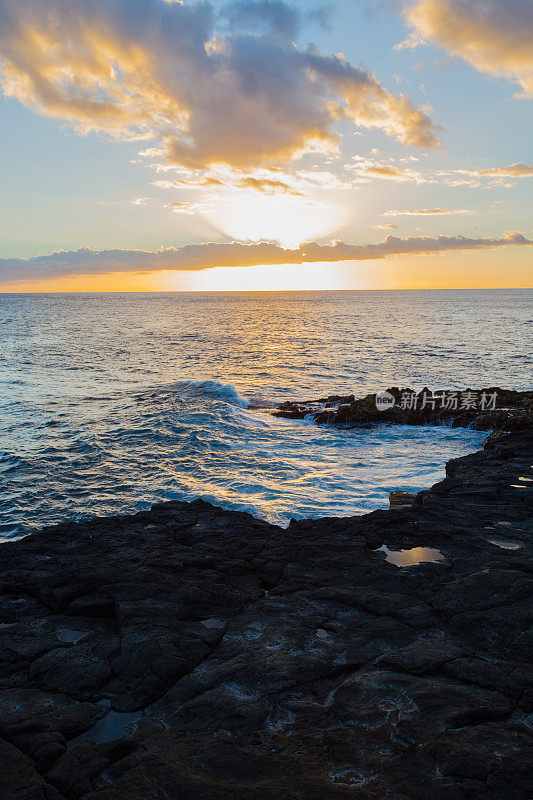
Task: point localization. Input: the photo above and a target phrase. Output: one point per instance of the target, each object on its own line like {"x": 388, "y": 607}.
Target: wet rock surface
{"x": 191, "y": 652}
{"x": 469, "y": 409}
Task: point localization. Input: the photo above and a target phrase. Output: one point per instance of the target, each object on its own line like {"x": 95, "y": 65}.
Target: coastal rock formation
{"x": 481, "y": 410}
{"x": 191, "y": 652}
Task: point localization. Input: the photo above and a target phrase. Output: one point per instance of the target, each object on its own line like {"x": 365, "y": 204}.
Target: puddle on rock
{"x": 412, "y": 557}
{"x": 71, "y": 635}
{"x": 115, "y": 725}
{"x": 213, "y": 623}
{"x": 505, "y": 545}
{"x": 348, "y": 777}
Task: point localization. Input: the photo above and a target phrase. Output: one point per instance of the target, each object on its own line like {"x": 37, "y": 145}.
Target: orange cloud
{"x": 427, "y": 212}
{"x": 298, "y": 183}
{"x": 267, "y": 186}
{"x": 517, "y": 170}
{"x": 368, "y": 167}
{"x": 392, "y": 173}
{"x": 190, "y": 208}
{"x": 494, "y": 36}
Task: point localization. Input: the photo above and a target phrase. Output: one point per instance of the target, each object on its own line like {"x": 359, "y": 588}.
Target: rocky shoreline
{"x": 191, "y": 652}
{"x": 469, "y": 409}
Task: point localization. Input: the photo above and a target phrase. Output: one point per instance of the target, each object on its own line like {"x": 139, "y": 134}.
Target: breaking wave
{"x": 128, "y": 400}
{"x": 224, "y": 392}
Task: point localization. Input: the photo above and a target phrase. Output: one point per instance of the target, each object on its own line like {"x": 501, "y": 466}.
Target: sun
{"x": 278, "y": 278}
{"x": 286, "y": 219}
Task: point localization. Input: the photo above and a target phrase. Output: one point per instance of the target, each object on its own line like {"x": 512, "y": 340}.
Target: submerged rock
{"x": 273, "y": 663}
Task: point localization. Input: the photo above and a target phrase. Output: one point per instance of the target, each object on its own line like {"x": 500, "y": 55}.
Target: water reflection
{"x": 409, "y": 558}
{"x": 112, "y": 402}
{"x": 505, "y": 545}
{"x": 71, "y": 635}
{"x": 115, "y": 725}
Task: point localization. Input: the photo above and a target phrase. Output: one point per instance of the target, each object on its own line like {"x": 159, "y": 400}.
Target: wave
{"x": 216, "y": 390}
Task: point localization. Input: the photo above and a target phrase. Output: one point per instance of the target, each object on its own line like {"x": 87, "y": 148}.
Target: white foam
{"x": 217, "y": 390}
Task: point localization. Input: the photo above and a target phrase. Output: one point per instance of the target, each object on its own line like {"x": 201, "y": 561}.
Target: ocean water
{"x": 111, "y": 402}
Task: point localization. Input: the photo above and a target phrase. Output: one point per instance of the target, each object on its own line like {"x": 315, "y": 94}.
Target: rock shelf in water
{"x": 192, "y": 652}
{"x": 513, "y": 410}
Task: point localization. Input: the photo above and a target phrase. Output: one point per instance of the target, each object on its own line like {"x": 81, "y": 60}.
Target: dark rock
{"x": 424, "y": 655}
{"x": 513, "y": 411}
{"x": 91, "y": 605}
{"x": 73, "y": 772}
{"x": 18, "y": 777}
{"x": 276, "y": 663}
{"x": 399, "y": 500}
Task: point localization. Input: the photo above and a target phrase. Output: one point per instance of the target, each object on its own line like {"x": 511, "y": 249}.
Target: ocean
{"x": 112, "y": 402}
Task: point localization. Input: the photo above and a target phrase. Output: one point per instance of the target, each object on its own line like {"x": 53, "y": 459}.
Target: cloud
{"x": 392, "y": 173}
{"x": 235, "y": 254}
{"x": 321, "y": 179}
{"x": 427, "y": 212}
{"x": 204, "y": 88}
{"x": 491, "y": 176}
{"x": 298, "y": 183}
{"x": 494, "y": 36}
{"x": 367, "y": 168}
{"x": 196, "y": 183}
{"x": 517, "y": 170}
{"x": 190, "y": 208}
{"x": 267, "y": 186}
{"x": 411, "y": 245}
{"x": 263, "y": 16}
{"x": 389, "y": 227}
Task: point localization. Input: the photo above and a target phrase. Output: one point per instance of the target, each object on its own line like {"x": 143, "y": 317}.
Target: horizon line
{"x": 278, "y": 291}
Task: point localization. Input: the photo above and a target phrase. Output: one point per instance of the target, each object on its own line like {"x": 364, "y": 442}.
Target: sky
{"x": 264, "y": 145}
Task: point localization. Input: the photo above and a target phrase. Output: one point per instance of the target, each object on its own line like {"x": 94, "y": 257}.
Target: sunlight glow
{"x": 282, "y": 277}
{"x": 473, "y": 270}
{"x": 286, "y": 219}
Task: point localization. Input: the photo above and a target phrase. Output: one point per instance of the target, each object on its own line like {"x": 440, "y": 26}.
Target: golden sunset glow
{"x": 282, "y": 277}
{"x": 282, "y": 218}
{"x": 462, "y": 270}
{"x": 265, "y": 398}
{"x": 225, "y": 146}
